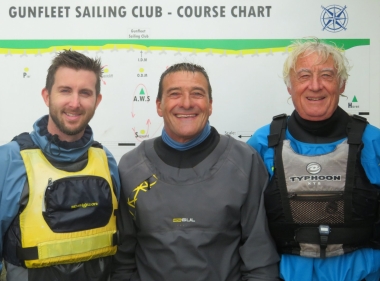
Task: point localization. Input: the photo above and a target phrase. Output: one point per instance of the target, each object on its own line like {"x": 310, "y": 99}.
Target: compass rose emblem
{"x": 334, "y": 18}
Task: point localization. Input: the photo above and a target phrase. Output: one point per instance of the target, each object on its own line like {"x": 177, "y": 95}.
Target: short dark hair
{"x": 77, "y": 61}
{"x": 184, "y": 66}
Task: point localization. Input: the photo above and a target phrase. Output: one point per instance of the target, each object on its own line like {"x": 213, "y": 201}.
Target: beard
{"x": 71, "y": 131}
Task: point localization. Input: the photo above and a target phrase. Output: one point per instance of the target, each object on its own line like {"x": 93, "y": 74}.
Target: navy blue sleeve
{"x": 12, "y": 181}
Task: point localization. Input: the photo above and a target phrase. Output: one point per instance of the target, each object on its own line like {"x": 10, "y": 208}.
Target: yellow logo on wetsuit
{"x": 144, "y": 186}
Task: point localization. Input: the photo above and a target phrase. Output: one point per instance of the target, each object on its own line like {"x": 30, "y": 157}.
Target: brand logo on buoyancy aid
{"x": 314, "y": 169}
{"x": 325, "y": 171}
{"x": 316, "y": 178}
{"x": 84, "y": 205}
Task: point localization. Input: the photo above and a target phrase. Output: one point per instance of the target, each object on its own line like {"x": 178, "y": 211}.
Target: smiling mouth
{"x": 185, "y": 115}
{"x": 72, "y": 114}
{"x": 315, "y": 99}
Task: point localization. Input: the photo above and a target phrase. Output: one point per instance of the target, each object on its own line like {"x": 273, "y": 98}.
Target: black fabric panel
{"x": 24, "y": 141}
{"x": 346, "y": 235}
{"x": 30, "y": 253}
{"x": 365, "y": 198}
{"x": 289, "y": 235}
{"x": 12, "y": 240}
{"x": 355, "y": 130}
{"x": 276, "y": 200}
{"x": 78, "y": 203}
{"x": 277, "y": 130}
{"x": 273, "y": 203}
{"x": 92, "y": 270}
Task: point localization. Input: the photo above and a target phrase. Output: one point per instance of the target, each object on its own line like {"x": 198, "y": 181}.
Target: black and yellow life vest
{"x": 70, "y": 216}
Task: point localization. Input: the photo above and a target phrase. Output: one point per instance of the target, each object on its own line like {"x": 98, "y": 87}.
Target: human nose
{"x": 315, "y": 83}
{"x": 186, "y": 101}
{"x": 74, "y": 100}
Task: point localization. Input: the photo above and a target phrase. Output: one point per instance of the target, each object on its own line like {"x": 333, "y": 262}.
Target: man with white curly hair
{"x": 322, "y": 201}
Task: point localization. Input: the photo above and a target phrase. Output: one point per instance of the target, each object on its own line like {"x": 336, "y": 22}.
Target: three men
{"x": 191, "y": 203}
{"x": 322, "y": 201}
{"x": 58, "y": 187}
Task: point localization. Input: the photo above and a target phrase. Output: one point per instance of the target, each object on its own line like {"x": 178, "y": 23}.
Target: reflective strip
{"x": 75, "y": 245}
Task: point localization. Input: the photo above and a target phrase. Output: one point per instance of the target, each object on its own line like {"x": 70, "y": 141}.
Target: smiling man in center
{"x": 192, "y": 200}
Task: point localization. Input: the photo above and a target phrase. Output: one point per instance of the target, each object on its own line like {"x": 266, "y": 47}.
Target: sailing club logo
{"x": 334, "y": 18}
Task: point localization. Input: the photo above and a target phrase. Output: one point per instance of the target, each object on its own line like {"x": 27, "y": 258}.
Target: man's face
{"x": 314, "y": 87}
{"x": 185, "y": 105}
{"x": 72, "y": 102}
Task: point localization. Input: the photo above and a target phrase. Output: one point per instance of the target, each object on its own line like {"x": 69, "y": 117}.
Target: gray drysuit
{"x": 207, "y": 222}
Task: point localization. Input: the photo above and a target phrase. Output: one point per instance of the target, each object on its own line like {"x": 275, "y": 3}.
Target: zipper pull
{"x": 50, "y": 183}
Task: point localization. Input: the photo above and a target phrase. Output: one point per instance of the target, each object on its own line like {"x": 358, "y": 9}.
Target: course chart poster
{"x": 242, "y": 44}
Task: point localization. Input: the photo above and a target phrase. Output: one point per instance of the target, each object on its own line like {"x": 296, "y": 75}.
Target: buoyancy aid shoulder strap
{"x": 97, "y": 144}
{"x": 114, "y": 184}
{"x": 276, "y": 136}
{"x": 277, "y": 129}
{"x": 355, "y": 130}
{"x": 25, "y": 141}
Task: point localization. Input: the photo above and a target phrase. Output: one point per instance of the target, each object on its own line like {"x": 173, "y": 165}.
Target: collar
{"x": 187, "y": 158}
{"x": 187, "y": 145}
{"x": 325, "y": 131}
{"x": 56, "y": 149}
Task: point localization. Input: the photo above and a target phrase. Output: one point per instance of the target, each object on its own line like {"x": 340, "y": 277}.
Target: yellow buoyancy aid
{"x": 49, "y": 247}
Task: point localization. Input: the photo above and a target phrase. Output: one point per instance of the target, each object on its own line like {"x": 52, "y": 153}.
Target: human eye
{"x": 304, "y": 76}
{"x": 174, "y": 94}
{"x": 64, "y": 90}
{"x": 86, "y": 93}
{"x": 198, "y": 93}
{"x": 328, "y": 76}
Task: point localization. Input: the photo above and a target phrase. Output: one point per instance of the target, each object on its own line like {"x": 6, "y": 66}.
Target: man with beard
{"x": 191, "y": 204}
{"x": 322, "y": 202}
{"x": 59, "y": 187}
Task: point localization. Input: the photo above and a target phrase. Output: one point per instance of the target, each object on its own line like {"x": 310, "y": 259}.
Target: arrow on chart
{"x": 241, "y": 136}
{"x": 148, "y": 125}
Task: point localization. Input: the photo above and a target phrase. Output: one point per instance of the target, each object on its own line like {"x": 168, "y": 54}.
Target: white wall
{"x": 244, "y": 67}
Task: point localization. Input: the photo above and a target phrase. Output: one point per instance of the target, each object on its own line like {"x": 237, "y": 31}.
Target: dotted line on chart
{"x": 133, "y": 47}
